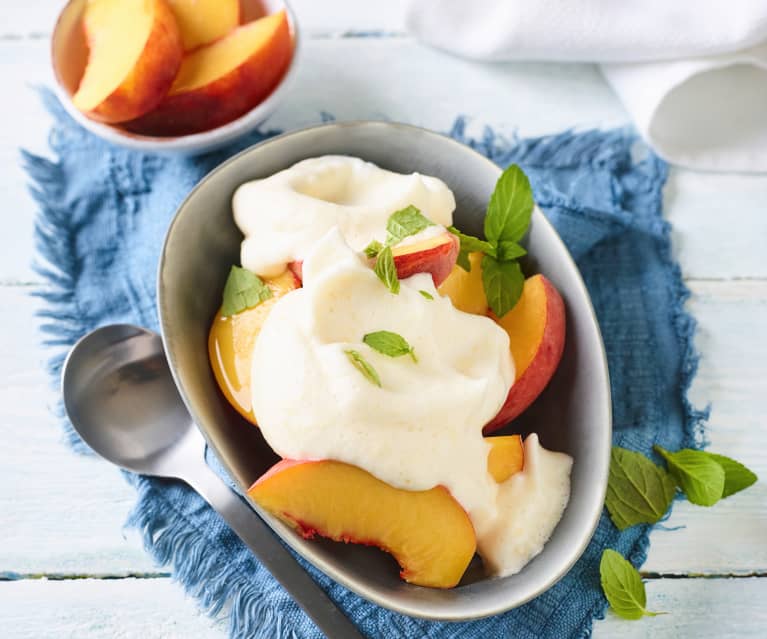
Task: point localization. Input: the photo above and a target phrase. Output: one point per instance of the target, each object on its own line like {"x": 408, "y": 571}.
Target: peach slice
{"x": 436, "y": 255}
{"x": 506, "y": 456}
{"x": 464, "y": 289}
{"x": 231, "y": 341}
{"x": 426, "y": 531}
{"x": 134, "y": 53}
{"x": 221, "y": 81}
{"x": 204, "y": 21}
{"x": 536, "y": 328}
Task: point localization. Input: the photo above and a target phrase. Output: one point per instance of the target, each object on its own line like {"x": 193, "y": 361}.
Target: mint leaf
{"x": 623, "y": 587}
{"x": 405, "y": 223}
{"x": 503, "y": 282}
{"x": 361, "y": 364}
{"x": 427, "y": 295}
{"x": 463, "y": 260}
{"x": 387, "y": 271}
{"x": 700, "y": 477}
{"x": 469, "y": 243}
{"x": 243, "y": 290}
{"x": 510, "y": 207}
{"x": 388, "y": 343}
{"x": 638, "y": 491}
{"x": 373, "y": 249}
{"x": 507, "y": 250}
{"x": 736, "y": 476}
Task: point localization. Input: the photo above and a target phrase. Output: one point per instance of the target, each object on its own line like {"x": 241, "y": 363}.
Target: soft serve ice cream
{"x": 421, "y": 424}
{"x": 284, "y": 215}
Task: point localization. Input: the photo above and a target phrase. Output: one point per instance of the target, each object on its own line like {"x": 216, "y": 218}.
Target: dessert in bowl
{"x": 382, "y": 448}
{"x": 181, "y": 76}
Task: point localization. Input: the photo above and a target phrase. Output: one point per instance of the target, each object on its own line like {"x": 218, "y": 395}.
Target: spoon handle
{"x": 272, "y": 554}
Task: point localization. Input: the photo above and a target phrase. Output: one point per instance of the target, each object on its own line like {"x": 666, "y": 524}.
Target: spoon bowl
{"x": 105, "y": 373}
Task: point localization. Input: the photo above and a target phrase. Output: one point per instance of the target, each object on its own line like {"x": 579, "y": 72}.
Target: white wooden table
{"x": 67, "y": 569}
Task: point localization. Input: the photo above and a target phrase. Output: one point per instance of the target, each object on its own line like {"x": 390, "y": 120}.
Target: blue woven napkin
{"x": 103, "y": 215}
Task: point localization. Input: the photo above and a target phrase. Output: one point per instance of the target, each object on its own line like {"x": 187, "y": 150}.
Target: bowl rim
{"x": 193, "y": 143}
{"x": 584, "y": 535}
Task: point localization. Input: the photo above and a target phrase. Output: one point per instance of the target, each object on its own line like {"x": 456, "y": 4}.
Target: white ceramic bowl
{"x": 68, "y": 56}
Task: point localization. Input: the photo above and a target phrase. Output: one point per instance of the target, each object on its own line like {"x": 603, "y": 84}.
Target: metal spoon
{"x": 121, "y": 399}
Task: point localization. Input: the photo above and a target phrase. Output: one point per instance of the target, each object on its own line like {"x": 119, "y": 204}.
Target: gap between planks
{"x": 54, "y": 576}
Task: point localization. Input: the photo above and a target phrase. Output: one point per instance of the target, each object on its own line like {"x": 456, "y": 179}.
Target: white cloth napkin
{"x": 692, "y": 73}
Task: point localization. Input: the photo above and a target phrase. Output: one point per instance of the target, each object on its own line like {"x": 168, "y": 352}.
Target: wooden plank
{"x": 90, "y": 608}
{"x": 158, "y": 609}
{"x": 719, "y": 222}
{"x": 20, "y": 19}
{"x": 63, "y": 514}
{"x": 697, "y": 608}
{"x": 729, "y": 537}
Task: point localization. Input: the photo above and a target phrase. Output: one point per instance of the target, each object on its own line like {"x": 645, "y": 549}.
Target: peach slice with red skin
{"x": 427, "y": 531}
{"x": 134, "y": 53}
{"x": 231, "y": 341}
{"x": 536, "y": 328}
{"x": 219, "y": 82}
{"x": 436, "y": 256}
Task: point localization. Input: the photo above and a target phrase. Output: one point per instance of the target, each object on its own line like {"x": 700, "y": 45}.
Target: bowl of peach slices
{"x": 181, "y": 76}
{"x": 393, "y": 355}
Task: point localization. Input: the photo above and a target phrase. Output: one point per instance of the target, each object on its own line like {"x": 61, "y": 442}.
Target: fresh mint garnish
{"x": 243, "y": 290}
{"x": 427, "y": 295}
{"x": 507, "y": 220}
{"x": 623, "y": 587}
{"x": 508, "y": 250}
{"x": 363, "y": 366}
{"x": 391, "y": 344}
{"x": 696, "y": 473}
{"x": 638, "y": 491}
{"x": 387, "y": 271}
{"x": 404, "y": 223}
{"x": 373, "y": 249}
{"x": 469, "y": 243}
{"x": 503, "y": 283}
{"x": 510, "y": 207}
{"x": 736, "y": 476}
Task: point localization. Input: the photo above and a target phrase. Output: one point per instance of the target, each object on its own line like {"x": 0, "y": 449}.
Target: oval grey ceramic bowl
{"x": 572, "y": 415}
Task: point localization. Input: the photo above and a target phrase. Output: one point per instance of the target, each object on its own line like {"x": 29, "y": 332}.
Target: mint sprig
{"x": 623, "y": 587}
{"x": 401, "y": 224}
{"x": 363, "y": 366}
{"x": 699, "y": 476}
{"x": 706, "y": 477}
{"x": 503, "y": 283}
{"x": 404, "y": 223}
{"x": 389, "y": 343}
{"x": 373, "y": 249}
{"x": 243, "y": 290}
{"x": 510, "y": 207}
{"x": 506, "y": 222}
{"x": 736, "y": 476}
{"x": 387, "y": 270}
{"x": 638, "y": 491}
